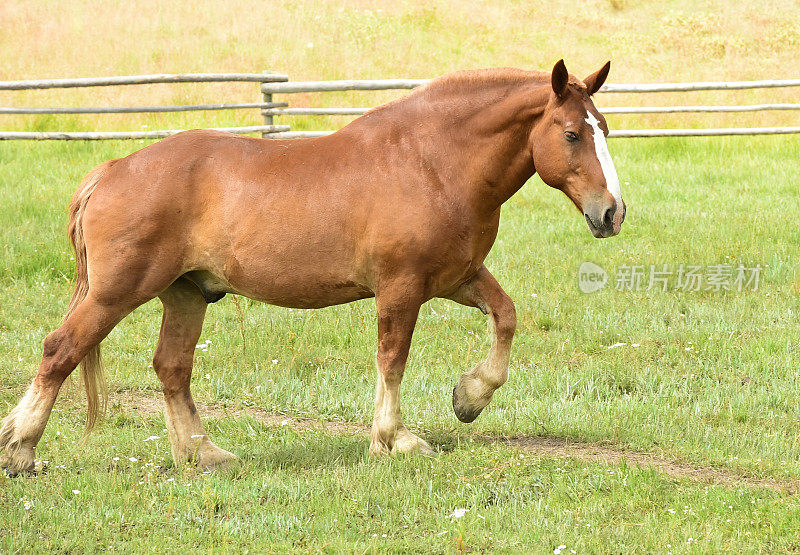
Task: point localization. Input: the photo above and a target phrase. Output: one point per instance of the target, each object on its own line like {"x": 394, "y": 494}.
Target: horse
{"x": 402, "y": 204}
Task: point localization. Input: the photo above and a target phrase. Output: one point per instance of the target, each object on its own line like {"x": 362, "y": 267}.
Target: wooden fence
{"x": 271, "y": 89}
{"x": 263, "y": 78}
{"x": 275, "y": 84}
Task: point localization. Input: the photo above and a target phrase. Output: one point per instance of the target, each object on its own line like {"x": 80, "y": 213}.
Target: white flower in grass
{"x": 274, "y": 361}
{"x": 557, "y": 550}
{"x": 458, "y": 513}
{"x": 76, "y": 492}
{"x": 133, "y": 459}
{"x": 152, "y": 438}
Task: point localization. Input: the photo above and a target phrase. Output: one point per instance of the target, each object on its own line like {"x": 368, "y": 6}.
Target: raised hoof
{"x": 464, "y": 412}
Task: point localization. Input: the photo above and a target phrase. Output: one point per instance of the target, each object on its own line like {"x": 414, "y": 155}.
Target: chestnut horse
{"x": 402, "y": 204}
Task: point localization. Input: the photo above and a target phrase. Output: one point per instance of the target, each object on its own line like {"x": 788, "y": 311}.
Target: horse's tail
{"x": 91, "y": 366}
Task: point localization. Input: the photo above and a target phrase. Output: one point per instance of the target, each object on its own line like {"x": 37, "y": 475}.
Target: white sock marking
{"x": 604, "y": 156}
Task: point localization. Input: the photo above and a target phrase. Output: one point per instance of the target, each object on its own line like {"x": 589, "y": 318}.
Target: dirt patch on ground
{"x": 146, "y": 405}
{"x": 538, "y": 446}
{"x": 592, "y": 452}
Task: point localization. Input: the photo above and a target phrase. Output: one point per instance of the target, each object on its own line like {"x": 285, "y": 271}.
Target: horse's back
{"x": 231, "y": 207}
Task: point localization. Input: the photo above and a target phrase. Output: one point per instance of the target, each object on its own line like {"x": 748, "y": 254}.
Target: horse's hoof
{"x": 464, "y": 412}
{"x": 20, "y": 463}
{"x": 211, "y": 457}
{"x": 406, "y": 442}
{"x": 378, "y": 449}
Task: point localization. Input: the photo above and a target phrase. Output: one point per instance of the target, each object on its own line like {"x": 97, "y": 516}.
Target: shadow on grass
{"x": 307, "y": 453}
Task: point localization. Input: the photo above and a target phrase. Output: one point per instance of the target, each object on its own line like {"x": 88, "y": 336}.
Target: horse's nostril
{"x": 608, "y": 217}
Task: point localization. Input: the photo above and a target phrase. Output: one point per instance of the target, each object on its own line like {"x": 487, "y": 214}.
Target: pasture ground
{"x": 684, "y": 438}
{"x": 712, "y": 384}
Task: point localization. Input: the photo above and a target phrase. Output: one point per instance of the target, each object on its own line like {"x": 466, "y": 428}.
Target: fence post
{"x": 268, "y": 119}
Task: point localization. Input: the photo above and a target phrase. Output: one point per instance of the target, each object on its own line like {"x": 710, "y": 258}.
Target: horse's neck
{"x": 481, "y": 141}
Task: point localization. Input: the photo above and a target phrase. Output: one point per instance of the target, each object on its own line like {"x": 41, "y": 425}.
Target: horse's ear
{"x": 560, "y": 78}
{"x": 596, "y": 80}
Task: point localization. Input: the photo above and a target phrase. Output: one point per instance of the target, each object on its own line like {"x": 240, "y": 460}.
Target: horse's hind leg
{"x": 475, "y": 388}
{"x": 184, "y": 310}
{"x": 63, "y": 350}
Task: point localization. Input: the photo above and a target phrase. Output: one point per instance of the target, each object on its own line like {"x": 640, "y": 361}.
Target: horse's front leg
{"x": 475, "y": 388}
{"x": 398, "y": 308}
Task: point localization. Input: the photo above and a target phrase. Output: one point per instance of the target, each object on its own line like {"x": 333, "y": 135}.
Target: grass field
{"x": 713, "y": 383}
{"x": 707, "y": 381}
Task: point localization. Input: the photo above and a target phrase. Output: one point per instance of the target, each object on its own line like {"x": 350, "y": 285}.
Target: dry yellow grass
{"x": 674, "y": 40}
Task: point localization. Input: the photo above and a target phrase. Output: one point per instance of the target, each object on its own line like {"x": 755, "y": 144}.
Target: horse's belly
{"x": 307, "y": 295}
{"x": 306, "y": 281}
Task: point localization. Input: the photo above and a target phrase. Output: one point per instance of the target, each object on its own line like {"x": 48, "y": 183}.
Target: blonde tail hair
{"x": 94, "y": 379}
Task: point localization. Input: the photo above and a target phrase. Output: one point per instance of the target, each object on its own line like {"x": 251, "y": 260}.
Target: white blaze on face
{"x": 606, "y": 163}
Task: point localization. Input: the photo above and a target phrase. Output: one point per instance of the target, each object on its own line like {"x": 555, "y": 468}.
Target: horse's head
{"x": 569, "y": 150}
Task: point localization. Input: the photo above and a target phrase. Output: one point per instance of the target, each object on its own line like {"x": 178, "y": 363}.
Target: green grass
{"x": 713, "y": 382}
{"x": 314, "y": 491}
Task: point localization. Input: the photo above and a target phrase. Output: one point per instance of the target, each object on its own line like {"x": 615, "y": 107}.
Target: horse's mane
{"x": 470, "y": 79}
{"x": 484, "y": 77}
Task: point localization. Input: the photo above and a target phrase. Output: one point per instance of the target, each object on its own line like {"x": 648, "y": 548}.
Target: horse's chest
{"x": 465, "y": 254}
{"x": 482, "y": 241}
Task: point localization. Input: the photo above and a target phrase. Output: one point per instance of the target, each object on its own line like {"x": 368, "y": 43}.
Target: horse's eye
{"x": 571, "y": 136}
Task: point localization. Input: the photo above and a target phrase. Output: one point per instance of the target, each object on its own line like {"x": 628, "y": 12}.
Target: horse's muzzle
{"x": 605, "y": 221}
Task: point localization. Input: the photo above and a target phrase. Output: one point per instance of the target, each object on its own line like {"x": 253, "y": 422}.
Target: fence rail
{"x": 343, "y": 85}
{"x": 281, "y": 111}
{"x": 712, "y": 132}
{"x": 140, "y": 80}
{"x": 628, "y": 133}
{"x": 143, "y": 109}
{"x": 700, "y": 86}
{"x": 108, "y": 135}
{"x": 272, "y": 84}
{"x": 390, "y": 84}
